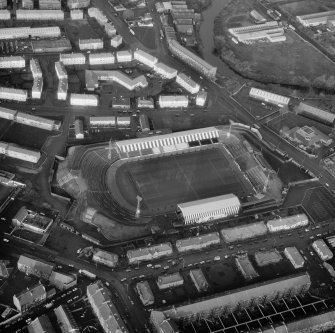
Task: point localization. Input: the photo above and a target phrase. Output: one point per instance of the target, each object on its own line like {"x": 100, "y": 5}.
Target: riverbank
{"x": 293, "y": 62}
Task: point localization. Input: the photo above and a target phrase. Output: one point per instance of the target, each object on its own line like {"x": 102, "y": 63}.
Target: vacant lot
{"x": 167, "y": 181}
{"x": 146, "y": 35}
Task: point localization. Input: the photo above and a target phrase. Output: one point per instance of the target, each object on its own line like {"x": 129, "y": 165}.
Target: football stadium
{"x": 139, "y": 178}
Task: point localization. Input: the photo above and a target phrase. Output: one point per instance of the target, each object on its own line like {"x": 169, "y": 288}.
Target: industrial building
{"x": 104, "y": 309}
{"x": 268, "y": 97}
{"x": 165, "y": 71}
{"x": 12, "y": 62}
{"x": 145, "y": 293}
{"x": 145, "y": 103}
{"x": 169, "y": 281}
{"x": 205, "y": 210}
{"x": 105, "y": 58}
{"x": 173, "y": 141}
{"x": 32, "y": 221}
{"x": 116, "y": 41}
{"x": 25, "y": 32}
{"x": 79, "y": 129}
{"x": 192, "y": 59}
{"x": 40, "y": 325}
{"x": 62, "y": 89}
{"x": 294, "y": 256}
{"x": 245, "y": 231}
{"x": 5, "y": 15}
{"x": 198, "y": 242}
{"x": 144, "y": 123}
{"x": 269, "y": 31}
{"x": 187, "y": 83}
{"x": 84, "y": 100}
{"x": 145, "y": 58}
{"x": 315, "y": 19}
{"x": 315, "y": 113}
{"x": 245, "y": 267}
{"x": 39, "y": 15}
{"x": 93, "y": 78}
{"x": 69, "y": 59}
{"x": 124, "y": 56}
{"x": 30, "y": 298}
{"x": 14, "y": 151}
{"x": 287, "y": 223}
{"x": 106, "y": 258}
{"x": 103, "y": 121}
{"x": 33, "y": 266}
{"x": 149, "y": 253}
{"x": 76, "y": 14}
{"x": 297, "y": 284}
{"x": 49, "y": 4}
{"x": 91, "y": 44}
{"x": 199, "y": 280}
{"x": 75, "y": 4}
{"x": 201, "y": 98}
{"x": 51, "y": 46}
{"x": 13, "y": 94}
{"x": 309, "y": 136}
{"x": 98, "y": 15}
{"x": 110, "y": 29}
{"x": 322, "y": 249}
{"x": 173, "y": 101}
{"x": 60, "y": 70}
{"x": 65, "y": 320}
{"x": 27, "y": 4}
{"x": 123, "y": 122}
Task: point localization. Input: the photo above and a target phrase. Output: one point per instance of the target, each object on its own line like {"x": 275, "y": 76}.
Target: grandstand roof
{"x": 208, "y": 204}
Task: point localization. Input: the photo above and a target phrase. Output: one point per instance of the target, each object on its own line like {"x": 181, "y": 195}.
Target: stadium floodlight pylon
{"x": 138, "y": 208}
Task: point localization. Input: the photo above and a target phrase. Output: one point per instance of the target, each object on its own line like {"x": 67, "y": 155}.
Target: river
{"x": 206, "y": 33}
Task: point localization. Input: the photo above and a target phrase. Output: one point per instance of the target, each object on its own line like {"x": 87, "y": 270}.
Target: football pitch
{"x": 163, "y": 182}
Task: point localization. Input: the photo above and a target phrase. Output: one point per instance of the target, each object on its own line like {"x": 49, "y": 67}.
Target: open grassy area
{"x": 307, "y": 6}
{"x": 293, "y": 62}
{"x": 167, "y": 181}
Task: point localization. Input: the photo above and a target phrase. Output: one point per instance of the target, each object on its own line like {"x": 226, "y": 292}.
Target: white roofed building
{"x": 197, "y": 243}
{"x": 12, "y": 62}
{"x": 41, "y": 324}
{"x": 106, "y": 258}
{"x": 268, "y": 97}
{"x": 187, "y": 83}
{"x": 72, "y": 59}
{"x": 13, "y": 94}
{"x": 294, "y": 256}
{"x": 62, "y": 89}
{"x": 149, "y": 253}
{"x": 116, "y": 41}
{"x": 76, "y": 14}
{"x": 107, "y": 121}
{"x": 74, "y": 4}
{"x": 204, "y": 210}
{"x": 65, "y": 320}
{"x": 199, "y": 279}
{"x": 322, "y": 249}
{"x": 49, "y": 4}
{"x": 124, "y": 56}
{"x": 23, "y": 154}
{"x": 169, "y": 281}
{"x": 98, "y": 15}
{"x": 60, "y": 70}
{"x": 145, "y": 293}
{"x": 7, "y": 113}
{"x": 315, "y": 113}
{"x": 91, "y": 44}
{"x": 84, "y": 100}
{"x": 39, "y": 15}
{"x": 192, "y": 59}
{"x": 287, "y": 223}
{"x": 79, "y": 129}
{"x": 3, "y": 4}
{"x": 173, "y": 101}
{"x": 37, "y": 88}
{"x": 243, "y": 232}
{"x": 105, "y": 58}
{"x": 201, "y": 98}
{"x": 315, "y": 19}
{"x": 27, "y": 4}
{"x": 165, "y": 71}
{"x": 100, "y": 300}
{"x": 5, "y": 15}
{"x": 145, "y": 58}
{"x": 25, "y": 32}
{"x": 36, "y": 121}
{"x": 36, "y": 267}
{"x": 110, "y": 29}
{"x": 145, "y": 103}
{"x": 35, "y": 68}
{"x": 123, "y": 121}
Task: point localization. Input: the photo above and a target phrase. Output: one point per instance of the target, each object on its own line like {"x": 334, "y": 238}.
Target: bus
{"x": 87, "y": 273}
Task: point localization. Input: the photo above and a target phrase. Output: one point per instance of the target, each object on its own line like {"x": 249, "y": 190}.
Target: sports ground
{"x": 163, "y": 182}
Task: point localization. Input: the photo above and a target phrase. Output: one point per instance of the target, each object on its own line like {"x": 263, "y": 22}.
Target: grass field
{"x": 307, "y": 7}
{"x": 164, "y": 182}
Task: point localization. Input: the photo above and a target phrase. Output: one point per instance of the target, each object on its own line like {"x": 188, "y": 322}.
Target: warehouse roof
{"x": 208, "y": 204}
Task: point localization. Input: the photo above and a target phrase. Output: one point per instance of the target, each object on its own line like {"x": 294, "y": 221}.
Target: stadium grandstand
{"x": 166, "y": 143}
{"x": 204, "y": 210}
